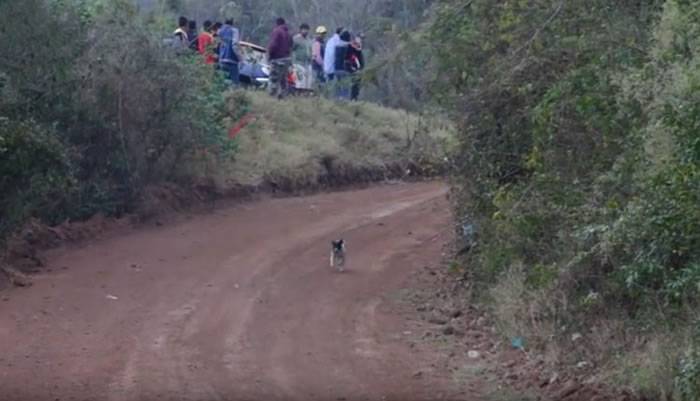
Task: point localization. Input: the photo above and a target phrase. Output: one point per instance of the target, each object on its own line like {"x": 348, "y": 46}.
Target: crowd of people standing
{"x": 297, "y": 63}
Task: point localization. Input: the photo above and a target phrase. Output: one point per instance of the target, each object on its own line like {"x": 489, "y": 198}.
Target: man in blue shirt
{"x": 228, "y": 51}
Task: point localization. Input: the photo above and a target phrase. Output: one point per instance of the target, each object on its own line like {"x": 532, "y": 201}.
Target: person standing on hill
{"x": 206, "y": 44}
{"x": 216, "y": 28}
{"x": 317, "y": 51}
{"x": 181, "y": 40}
{"x": 279, "y": 55}
{"x": 217, "y": 40}
{"x": 329, "y": 55}
{"x": 342, "y": 80}
{"x": 302, "y": 58}
{"x": 228, "y": 51}
{"x": 355, "y": 63}
{"x": 192, "y": 35}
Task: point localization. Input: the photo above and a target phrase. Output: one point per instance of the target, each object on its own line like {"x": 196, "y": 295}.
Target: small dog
{"x": 338, "y": 255}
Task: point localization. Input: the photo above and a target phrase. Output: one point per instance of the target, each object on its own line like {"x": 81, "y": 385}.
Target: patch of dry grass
{"x": 536, "y": 315}
{"x": 599, "y": 346}
{"x": 651, "y": 364}
{"x": 299, "y": 139}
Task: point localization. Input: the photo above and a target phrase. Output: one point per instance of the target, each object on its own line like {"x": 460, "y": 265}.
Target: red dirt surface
{"x": 237, "y": 304}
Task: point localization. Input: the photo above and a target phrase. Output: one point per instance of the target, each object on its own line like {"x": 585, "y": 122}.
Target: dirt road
{"x": 237, "y": 304}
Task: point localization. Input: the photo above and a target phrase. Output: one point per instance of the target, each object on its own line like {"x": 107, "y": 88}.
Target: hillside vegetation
{"x": 110, "y": 112}
{"x": 579, "y": 178}
{"x": 87, "y": 121}
{"x": 314, "y": 142}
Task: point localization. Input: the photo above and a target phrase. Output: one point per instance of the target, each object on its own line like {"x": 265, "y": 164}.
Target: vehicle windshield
{"x": 253, "y": 53}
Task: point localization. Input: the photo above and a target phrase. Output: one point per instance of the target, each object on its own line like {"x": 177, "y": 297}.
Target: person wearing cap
{"x": 317, "y": 51}
{"x": 302, "y": 58}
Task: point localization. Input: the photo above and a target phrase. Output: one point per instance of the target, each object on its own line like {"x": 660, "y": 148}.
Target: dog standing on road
{"x": 338, "y": 255}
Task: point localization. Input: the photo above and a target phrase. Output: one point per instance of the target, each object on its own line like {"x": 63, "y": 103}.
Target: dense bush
{"x": 36, "y": 170}
{"x": 657, "y": 235}
{"x": 96, "y": 110}
{"x": 580, "y": 137}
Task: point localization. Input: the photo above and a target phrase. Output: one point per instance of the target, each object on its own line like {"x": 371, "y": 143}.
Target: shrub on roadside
{"x": 36, "y": 175}
{"x": 98, "y": 110}
{"x": 580, "y": 163}
{"x": 687, "y": 380}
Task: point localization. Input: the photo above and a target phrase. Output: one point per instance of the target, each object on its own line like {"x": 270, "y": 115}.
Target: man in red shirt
{"x": 206, "y": 44}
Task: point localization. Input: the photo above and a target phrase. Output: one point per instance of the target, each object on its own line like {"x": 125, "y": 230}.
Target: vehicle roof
{"x": 253, "y": 46}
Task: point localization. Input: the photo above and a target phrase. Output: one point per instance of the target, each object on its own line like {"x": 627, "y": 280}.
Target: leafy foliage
{"x": 46, "y": 187}
{"x": 96, "y": 110}
{"x": 580, "y": 145}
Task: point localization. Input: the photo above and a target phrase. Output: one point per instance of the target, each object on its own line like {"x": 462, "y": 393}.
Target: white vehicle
{"x": 255, "y": 69}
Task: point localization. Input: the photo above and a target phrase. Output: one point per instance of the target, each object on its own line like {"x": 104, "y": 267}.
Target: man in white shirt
{"x": 329, "y": 56}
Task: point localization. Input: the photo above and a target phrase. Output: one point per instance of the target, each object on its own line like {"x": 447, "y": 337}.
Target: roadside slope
{"x": 315, "y": 142}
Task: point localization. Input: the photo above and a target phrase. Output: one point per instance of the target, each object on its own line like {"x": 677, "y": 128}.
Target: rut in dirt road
{"x": 239, "y": 304}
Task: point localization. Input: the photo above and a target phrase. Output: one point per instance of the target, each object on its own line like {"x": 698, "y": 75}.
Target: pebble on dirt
{"x": 17, "y": 278}
{"x": 569, "y": 388}
{"x": 510, "y": 364}
{"x": 437, "y": 319}
{"x": 554, "y": 378}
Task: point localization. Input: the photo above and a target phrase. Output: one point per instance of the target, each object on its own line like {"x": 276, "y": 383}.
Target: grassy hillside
{"x": 304, "y": 142}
